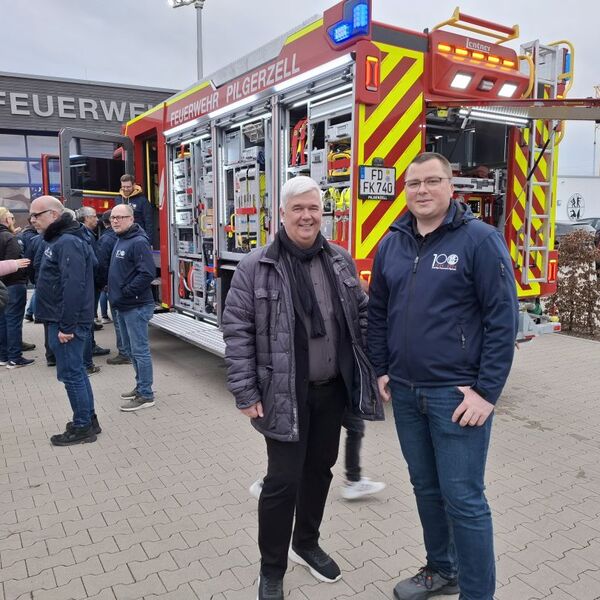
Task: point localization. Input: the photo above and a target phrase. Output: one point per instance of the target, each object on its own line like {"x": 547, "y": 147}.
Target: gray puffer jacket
{"x": 258, "y": 328}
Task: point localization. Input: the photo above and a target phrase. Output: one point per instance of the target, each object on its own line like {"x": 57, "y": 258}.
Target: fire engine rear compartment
{"x": 225, "y": 177}
{"x": 478, "y": 152}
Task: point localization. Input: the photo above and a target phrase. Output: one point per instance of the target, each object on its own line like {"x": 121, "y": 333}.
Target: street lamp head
{"x": 179, "y": 3}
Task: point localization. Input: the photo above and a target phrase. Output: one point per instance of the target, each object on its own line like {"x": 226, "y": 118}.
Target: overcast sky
{"x": 145, "y": 42}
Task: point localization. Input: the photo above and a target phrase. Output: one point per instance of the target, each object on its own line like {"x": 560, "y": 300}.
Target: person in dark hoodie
{"x": 11, "y": 317}
{"x": 442, "y": 326}
{"x": 87, "y": 216}
{"x": 131, "y": 193}
{"x": 130, "y": 276}
{"x": 105, "y": 246}
{"x": 65, "y": 301}
{"x": 26, "y": 239}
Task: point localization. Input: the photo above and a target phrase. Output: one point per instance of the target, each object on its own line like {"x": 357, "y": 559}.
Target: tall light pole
{"x": 596, "y": 126}
{"x": 198, "y": 5}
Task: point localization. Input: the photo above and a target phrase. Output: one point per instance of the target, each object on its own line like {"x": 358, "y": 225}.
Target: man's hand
{"x": 473, "y": 410}
{"x": 63, "y": 338}
{"x": 384, "y": 388}
{"x": 254, "y": 411}
{"x": 22, "y": 263}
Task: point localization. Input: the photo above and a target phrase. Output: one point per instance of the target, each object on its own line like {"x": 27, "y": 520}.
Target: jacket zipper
{"x": 406, "y": 313}
{"x": 292, "y": 379}
{"x": 360, "y": 401}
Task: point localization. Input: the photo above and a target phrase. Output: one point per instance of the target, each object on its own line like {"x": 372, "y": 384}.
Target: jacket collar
{"x": 273, "y": 251}
{"x": 458, "y": 214}
{"x": 64, "y": 224}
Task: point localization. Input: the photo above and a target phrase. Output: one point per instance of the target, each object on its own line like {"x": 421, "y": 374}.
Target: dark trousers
{"x": 355, "y": 431}
{"x": 11, "y": 323}
{"x": 298, "y": 478}
{"x": 70, "y": 370}
{"x": 49, "y": 353}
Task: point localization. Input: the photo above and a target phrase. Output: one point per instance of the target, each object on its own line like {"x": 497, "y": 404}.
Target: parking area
{"x": 159, "y": 507}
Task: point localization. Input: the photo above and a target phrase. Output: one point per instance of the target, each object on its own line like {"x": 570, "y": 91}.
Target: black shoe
{"x": 75, "y": 435}
{"x": 26, "y": 346}
{"x": 98, "y": 351}
{"x": 319, "y": 563}
{"x": 425, "y": 584}
{"x": 119, "y": 359}
{"x": 28, "y": 317}
{"x": 269, "y": 588}
{"x": 97, "y": 326}
{"x": 51, "y": 363}
{"x": 92, "y": 370}
{"x": 19, "y": 362}
{"x": 95, "y": 425}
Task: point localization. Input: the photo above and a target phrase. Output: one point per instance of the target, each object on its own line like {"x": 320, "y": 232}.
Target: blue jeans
{"x": 133, "y": 325}
{"x": 120, "y": 346}
{"x": 88, "y": 349}
{"x": 71, "y": 371}
{"x": 31, "y": 306}
{"x": 103, "y": 301}
{"x": 446, "y": 463}
{"x": 11, "y": 322}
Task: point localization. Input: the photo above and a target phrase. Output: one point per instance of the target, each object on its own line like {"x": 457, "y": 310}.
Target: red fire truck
{"x": 349, "y": 101}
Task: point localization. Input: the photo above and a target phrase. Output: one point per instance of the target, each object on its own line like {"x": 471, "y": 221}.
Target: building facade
{"x": 34, "y": 109}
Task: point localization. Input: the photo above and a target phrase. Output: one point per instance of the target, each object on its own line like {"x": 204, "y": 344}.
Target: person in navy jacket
{"x": 65, "y": 301}
{"x": 143, "y": 212}
{"x": 443, "y": 319}
{"x": 130, "y": 276}
{"x": 105, "y": 246}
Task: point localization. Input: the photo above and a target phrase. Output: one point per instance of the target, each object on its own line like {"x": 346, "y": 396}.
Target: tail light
{"x": 552, "y": 270}
{"x": 372, "y": 73}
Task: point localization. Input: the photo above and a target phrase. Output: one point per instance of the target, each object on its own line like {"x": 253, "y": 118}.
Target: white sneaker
{"x": 256, "y": 488}
{"x": 352, "y": 490}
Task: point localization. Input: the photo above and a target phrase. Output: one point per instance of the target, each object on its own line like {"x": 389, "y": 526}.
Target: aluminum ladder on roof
{"x": 537, "y": 227}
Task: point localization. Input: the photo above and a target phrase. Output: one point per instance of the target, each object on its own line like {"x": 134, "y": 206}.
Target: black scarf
{"x": 297, "y": 262}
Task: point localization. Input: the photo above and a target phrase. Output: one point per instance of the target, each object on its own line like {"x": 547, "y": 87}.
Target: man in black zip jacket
{"x": 65, "y": 301}
{"x": 443, "y": 320}
{"x": 130, "y": 276}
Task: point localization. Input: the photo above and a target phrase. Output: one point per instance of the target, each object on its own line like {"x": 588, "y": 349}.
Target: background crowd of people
{"x": 80, "y": 264}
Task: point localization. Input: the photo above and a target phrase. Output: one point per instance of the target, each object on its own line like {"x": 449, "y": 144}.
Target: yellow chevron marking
{"x": 366, "y": 246}
{"x": 394, "y": 56}
{"x": 396, "y": 94}
{"x": 399, "y": 129}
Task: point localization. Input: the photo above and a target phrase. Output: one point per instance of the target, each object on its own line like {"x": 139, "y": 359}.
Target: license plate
{"x": 377, "y": 183}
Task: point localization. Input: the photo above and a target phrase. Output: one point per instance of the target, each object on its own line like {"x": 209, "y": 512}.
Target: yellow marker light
{"x": 461, "y": 52}
{"x": 444, "y": 48}
{"x": 494, "y": 60}
{"x": 508, "y": 63}
{"x": 478, "y": 55}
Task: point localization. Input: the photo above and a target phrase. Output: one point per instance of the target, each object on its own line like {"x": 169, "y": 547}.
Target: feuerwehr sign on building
{"x": 43, "y": 103}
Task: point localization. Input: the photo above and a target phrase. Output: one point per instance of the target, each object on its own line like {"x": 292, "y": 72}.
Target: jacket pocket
{"x": 267, "y": 306}
{"x": 462, "y": 339}
{"x": 366, "y": 401}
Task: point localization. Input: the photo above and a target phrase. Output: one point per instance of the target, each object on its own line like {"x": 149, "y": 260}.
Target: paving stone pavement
{"x": 158, "y": 507}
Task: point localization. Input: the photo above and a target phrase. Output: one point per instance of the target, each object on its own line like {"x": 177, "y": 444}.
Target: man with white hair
{"x": 294, "y": 326}
{"x": 65, "y": 301}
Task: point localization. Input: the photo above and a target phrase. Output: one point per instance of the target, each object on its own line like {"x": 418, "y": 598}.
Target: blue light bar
{"x": 355, "y": 23}
{"x": 341, "y": 33}
{"x": 361, "y": 16}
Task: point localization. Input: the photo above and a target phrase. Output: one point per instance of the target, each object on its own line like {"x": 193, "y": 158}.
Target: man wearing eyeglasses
{"x": 65, "y": 302}
{"x": 442, "y": 327}
{"x": 130, "y": 276}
